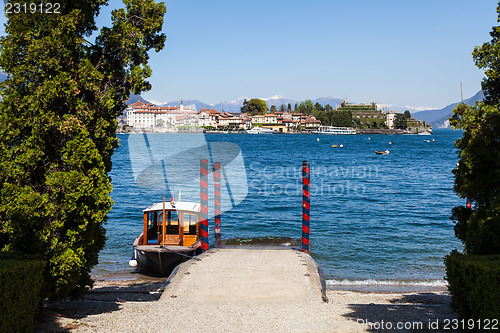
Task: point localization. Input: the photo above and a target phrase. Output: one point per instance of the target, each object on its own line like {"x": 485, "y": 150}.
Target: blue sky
{"x": 412, "y": 53}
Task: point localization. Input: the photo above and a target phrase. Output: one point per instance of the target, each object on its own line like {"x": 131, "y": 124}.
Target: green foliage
{"x": 306, "y": 107}
{"x": 57, "y": 129}
{"x": 477, "y": 176}
{"x": 407, "y": 114}
{"x": 20, "y": 283}
{"x": 330, "y": 117}
{"x": 400, "y": 121}
{"x": 273, "y": 109}
{"x": 474, "y": 284}
{"x": 254, "y": 107}
{"x": 487, "y": 57}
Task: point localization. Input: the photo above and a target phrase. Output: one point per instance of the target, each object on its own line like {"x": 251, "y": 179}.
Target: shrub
{"x": 474, "y": 284}
{"x": 20, "y": 284}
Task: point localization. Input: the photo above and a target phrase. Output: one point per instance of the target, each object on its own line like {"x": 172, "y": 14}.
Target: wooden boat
{"x": 171, "y": 235}
{"x": 379, "y": 152}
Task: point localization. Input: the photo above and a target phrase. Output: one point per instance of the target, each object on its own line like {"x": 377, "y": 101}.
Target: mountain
{"x": 231, "y": 106}
{"x": 439, "y": 118}
{"x": 333, "y": 102}
{"x": 194, "y": 103}
{"x": 278, "y": 100}
{"x": 135, "y": 98}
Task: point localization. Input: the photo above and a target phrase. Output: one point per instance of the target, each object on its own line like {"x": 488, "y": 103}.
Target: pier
{"x": 246, "y": 274}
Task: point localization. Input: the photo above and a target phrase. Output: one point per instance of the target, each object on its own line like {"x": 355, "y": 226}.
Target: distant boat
{"x": 379, "y": 152}
{"x": 171, "y": 236}
{"x": 260, "y": 130}
{"x": 335, "y": 130}
{"x": 424, "y": 133}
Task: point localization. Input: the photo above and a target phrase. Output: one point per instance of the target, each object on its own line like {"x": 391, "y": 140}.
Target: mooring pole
{"x": 306, "y": 200}
{"x": 217, "y": 205}
{"x": 204, "y": 203}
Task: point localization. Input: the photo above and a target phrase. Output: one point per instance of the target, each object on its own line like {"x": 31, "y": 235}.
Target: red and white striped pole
{"x": 204, "y": 204}
{"x": 217, "y": 205}
{"x": 306, "y": 201}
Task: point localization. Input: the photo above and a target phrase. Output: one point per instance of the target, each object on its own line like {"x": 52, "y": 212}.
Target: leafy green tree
{"x": 318, "y": 107}
{"x": 407, "y": 114}
{"x": 400, "y": 121}
{"x": 273, "y": 109}
{"x": 283, "y": 108}
{"x": 477, "y": 176}
{"x": 57, "y": 129}
{"x": 289, "y": 108}
{"x": 255, "y": 106}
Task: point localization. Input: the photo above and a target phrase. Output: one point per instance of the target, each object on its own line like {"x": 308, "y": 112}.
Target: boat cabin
{"x": 178, "y": 223}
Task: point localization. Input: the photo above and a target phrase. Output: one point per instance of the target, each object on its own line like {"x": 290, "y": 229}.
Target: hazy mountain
{"x": 333, "y": 102}
{"x": 439, "y": 118}
{"x": 194, "y": 103}
{"x": 135, "y": 98}
{"x": 278, "y": 100}
{"x": 231, "y": 106}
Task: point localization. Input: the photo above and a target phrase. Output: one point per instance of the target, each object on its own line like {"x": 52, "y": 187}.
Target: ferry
{"x": 335, "y": 130}
{"x": 260, "y": 130}
{"x": 171, "y": 235}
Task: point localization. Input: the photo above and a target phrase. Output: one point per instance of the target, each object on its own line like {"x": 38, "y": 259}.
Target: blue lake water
{"x": 375, "y": 219}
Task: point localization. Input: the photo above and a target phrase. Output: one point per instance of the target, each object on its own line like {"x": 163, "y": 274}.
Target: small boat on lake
{"x": 380, "y": 152}
{"x": 171, "y": 235}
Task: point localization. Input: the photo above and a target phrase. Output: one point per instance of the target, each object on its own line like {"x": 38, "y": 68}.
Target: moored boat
{"x": 260, "y": 130}
{"x": 171, "y": 235}
{"x": 381, "y": 152}
{"x": 335, "y": 130}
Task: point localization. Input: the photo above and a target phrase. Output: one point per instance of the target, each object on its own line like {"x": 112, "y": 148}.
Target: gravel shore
{"x": 232, "y": 306}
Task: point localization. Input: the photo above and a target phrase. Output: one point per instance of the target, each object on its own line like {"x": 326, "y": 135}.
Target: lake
{"x": 375, "y": 219}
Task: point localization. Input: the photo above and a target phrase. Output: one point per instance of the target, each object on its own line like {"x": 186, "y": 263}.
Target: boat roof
{"x": 178, "y": 205}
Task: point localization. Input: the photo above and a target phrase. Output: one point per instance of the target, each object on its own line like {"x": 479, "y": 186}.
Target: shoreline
{"x": 132, "y": 305}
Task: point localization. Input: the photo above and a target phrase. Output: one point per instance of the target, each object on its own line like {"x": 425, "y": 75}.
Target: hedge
{"x": 474, "y": 284}
{"x": 20, "y": 283}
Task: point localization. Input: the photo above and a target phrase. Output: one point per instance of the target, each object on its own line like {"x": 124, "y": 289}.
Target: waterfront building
{"x": 390, "y": 116}
{"x": 148, "y": 116}
{"x": 362, "y": 111}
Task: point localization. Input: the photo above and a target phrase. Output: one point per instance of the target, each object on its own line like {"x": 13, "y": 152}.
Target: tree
{"x": 283, "y": 108}
{"x": 273, "y": 109}
{"x": 57, "y": 129}
{"x": 400, "y": 121}
{"x": 407, "y": 114}
{"x": 289, "y": 108}
{"x": 254, "y": 107}
{"x": 477, "y": 174}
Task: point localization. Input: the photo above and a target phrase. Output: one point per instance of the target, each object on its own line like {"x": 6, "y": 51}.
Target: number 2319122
{"x": 32, "y": 8}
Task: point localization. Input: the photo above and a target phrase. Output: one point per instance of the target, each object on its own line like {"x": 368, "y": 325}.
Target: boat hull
{"x": 163, "y": 259}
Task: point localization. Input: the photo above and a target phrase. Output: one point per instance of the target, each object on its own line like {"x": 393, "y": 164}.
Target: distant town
{"x": 304, "y": 118}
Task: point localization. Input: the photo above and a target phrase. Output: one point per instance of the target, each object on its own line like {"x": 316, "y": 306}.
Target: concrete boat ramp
{"x": 246, "y": 274}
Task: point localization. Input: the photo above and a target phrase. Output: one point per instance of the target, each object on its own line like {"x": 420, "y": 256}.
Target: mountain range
{"x": 439, "y": 118}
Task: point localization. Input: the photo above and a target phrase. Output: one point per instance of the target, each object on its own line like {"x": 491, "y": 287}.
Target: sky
{"x": 406, "y": 53}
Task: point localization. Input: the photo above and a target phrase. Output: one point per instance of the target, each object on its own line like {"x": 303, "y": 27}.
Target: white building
{"x": 142, "y": 115}
{"x": 390, "y": 117}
